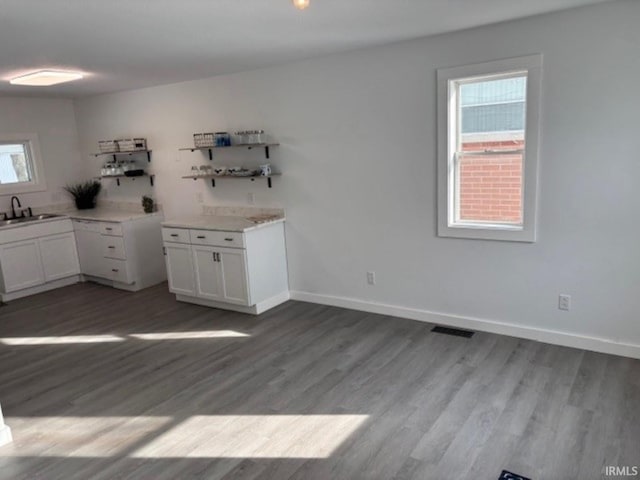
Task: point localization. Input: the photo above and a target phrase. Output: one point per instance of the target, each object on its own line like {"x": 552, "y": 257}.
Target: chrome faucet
{"x": 13, "y": 208}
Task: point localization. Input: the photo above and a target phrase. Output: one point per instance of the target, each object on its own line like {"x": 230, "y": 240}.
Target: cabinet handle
{"x": 111, "y": 246}
{"x": 174, "y": 235}
{"x": 229, "y": 239}
{"x": 108, "y": 228}
{"x": 201, "y": 236}
{"x": 164, "y": 251}
{"x": 115, "y": 270}
{"x": 214, "y": 256}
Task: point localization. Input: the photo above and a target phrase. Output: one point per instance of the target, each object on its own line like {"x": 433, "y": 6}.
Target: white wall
{"x": 358, "y": 153}
{"x": 54, "y": 122}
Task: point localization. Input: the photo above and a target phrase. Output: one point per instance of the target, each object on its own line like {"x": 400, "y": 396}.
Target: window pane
{"x": 490, "y": 188}
{"x": 490, "y": 153}
{"x": 14, "y": 164}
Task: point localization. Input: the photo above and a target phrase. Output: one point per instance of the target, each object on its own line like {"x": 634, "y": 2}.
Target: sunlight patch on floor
{"x": 188, "y": 335}
{"x": 201, "y": 436}
{"x": 71, "y": 339}
{"x": 254, "y": 436}
{"x": 78, "y": 436}
{"x": 61, "y": 340}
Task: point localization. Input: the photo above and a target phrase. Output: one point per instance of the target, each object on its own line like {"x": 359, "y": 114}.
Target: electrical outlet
{"x": 564, "y": 302}
{"x": 252, "y": 198}
{"x": 199, "y": 197}
{"x": 371, "y": 278}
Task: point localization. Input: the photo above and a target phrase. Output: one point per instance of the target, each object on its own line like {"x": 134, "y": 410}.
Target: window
{"x": 20, "y": 165}
{"x": 488, "y": 149}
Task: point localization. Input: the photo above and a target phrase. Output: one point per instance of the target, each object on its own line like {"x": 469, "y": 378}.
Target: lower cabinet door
{"x": 59, "y": 256}
{"x": 180, "y": 274}
{"x": 233, "y": 272}
{"x": 90, "y": 252}
{"x": 21, "y": 265}
{"x": 207, "y": 273}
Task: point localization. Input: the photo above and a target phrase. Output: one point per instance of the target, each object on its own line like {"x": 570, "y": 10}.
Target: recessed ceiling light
{"x": 45, "y": 78}
{"x": 301, "y": 4}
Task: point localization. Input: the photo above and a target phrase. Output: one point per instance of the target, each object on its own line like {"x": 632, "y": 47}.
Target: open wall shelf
{"x": 115, "y": 155}
{"x": 266, "y": 147}
{"x": 213, "y": 178}
{"x": 118, "y": 177}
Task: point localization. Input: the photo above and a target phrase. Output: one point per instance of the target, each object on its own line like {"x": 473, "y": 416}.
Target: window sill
{"x": 488, "y": 232}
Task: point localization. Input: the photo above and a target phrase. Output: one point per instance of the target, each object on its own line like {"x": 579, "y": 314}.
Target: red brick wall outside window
{"x": 490, "y": 186}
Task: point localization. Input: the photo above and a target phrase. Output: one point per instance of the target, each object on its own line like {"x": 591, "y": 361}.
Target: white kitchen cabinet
{"x": 207, "y": 273}
{"x": 125, "y": 254}
{"x": 21, "y": 265}
{"x": 232, "y": 266}
{"x": 180, "y": 272}
{"x": 59, "y": 256}
{"x": 244, "y": 271}
{"x": 90, "y": 251}
{"x": 221, "y": 274}
{"x": 36, "y": 257}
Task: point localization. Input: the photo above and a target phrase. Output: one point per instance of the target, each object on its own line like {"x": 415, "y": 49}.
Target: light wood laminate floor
{"x": 98, "y": 383}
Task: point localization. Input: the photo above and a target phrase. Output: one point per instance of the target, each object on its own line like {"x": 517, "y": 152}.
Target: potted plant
{"x": 84, "y": 193}
{"x": 147, "y": 204}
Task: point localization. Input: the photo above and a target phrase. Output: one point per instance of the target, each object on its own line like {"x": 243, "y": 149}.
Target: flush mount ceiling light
{"x": 301, "y": 4}
{"x": 45, "y": 78}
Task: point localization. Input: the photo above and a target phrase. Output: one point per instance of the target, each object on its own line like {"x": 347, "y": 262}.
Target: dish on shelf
{"x": 134, "y": 173}
{"x": 219, "y": 171}
{"x": 241, "y": 172}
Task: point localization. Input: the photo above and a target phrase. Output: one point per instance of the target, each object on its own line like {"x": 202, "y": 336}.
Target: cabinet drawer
{"x": 116, "y": 270}
{"x": 111, "y": 229}
{"x": 217, "y": 239}
{"x": 113, "y": 247}
{"x": 178, "y": 235}
{"x": 87, "y": 226}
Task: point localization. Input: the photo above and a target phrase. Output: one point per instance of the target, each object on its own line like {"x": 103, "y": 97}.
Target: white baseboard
{"x": 596, "y": 344}
{"x": 63, "y": 282}
{"x": 5, "y": 435}
{"x": 256, "y": 309}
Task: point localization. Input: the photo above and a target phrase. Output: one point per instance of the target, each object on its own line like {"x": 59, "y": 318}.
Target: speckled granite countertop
{"x": 106, "y": 215}
{"x": 225, "y": 223}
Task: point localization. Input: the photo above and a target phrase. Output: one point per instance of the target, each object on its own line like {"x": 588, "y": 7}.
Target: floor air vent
{"x": 453, "y": 331}
{"x": 511, "y": 476}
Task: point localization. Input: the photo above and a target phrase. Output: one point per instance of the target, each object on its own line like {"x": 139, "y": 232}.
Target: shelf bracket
{"x": 266, "y": 154}
{"x": 151, "y": 179}
{"x": 213, "y": 182}
{"x": 269, "y": 180}
{"x": 115, "y": 157}
{"x": 149, "y": 158}
{"x": 210, "y": 154}
{"x": 118, "y": 181}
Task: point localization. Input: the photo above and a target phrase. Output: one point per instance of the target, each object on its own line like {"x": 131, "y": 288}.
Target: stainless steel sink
{"x": 34, "y": 218}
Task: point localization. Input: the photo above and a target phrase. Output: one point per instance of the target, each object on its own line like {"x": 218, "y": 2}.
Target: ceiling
{"x": 126, "y": 44}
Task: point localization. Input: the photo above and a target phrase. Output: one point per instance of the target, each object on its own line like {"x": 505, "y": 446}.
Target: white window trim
{"x": 38, "y": 183}
{"x": 532, "y": 65}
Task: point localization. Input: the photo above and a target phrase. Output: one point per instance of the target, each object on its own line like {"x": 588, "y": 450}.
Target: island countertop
{"x": 225, "y": 223}
{"x": 107, "y": 215}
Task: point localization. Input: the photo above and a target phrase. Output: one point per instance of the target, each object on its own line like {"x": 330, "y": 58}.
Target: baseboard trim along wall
{"x": 595, "y": 344}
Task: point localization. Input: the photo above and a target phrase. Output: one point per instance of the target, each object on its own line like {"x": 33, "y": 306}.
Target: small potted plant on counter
{"x": 84, "y": 193}
{"x": 147, "y": 204}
